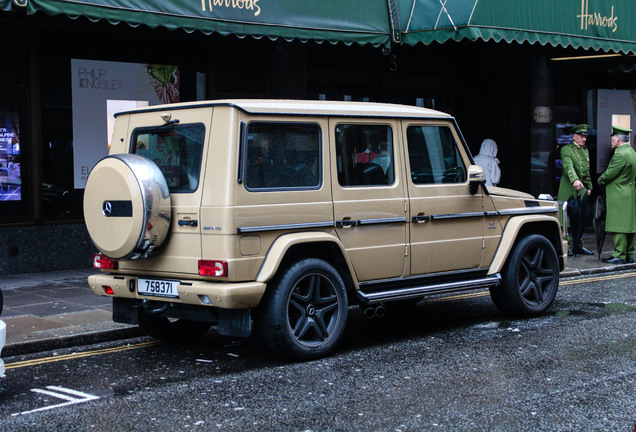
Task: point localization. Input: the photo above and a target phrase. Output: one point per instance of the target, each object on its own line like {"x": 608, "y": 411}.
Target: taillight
{"x": 103, "y": 262}
{"x": 212, "y": 268}
{"x": 108, "y": 290}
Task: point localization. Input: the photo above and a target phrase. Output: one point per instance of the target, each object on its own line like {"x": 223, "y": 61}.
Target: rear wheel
{"x": 172, "y": 329}
{"x": 304, "y": 313}
{"x": 530, "y": 278}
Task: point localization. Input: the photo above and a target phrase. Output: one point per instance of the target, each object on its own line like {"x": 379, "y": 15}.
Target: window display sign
{"x": 97, "y": 86}
{"x": 612, "y": 106}
{"x": 10, "y": 175}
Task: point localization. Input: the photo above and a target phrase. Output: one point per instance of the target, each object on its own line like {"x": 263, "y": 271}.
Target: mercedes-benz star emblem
{"x": 107, "y": 208}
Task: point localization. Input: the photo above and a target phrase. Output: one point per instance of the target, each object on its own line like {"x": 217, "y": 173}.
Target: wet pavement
{"x": 50, "y": 310}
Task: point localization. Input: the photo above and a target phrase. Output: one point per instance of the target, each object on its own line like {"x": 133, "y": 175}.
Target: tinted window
{"x": 176, "y": 149}
{"x": 434, "y": 156}
{"x": 364, "y": 155}
{"x": 282, "y": 156}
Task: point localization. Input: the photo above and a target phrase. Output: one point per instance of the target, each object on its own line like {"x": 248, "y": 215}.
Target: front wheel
{"x": 304, "y": 312}
{"x": 530, "y": 278}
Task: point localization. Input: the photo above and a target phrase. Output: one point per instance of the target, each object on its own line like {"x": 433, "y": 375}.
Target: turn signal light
{"x": 212, "y": 268}
{"x": 103, "y": 262}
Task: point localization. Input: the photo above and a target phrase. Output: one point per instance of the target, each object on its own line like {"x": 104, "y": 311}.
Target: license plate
{"x": 157, "y": 288}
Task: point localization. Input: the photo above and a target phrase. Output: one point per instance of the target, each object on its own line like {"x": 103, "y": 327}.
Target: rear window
{"x": 176, "y": 149}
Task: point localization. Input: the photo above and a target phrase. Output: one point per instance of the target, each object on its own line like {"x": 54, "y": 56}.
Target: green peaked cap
{"x": 580, "y": 129}
{"x": 620, "y": 130}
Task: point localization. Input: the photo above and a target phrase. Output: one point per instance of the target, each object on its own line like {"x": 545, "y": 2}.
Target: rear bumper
{"x": 241, "y": 295}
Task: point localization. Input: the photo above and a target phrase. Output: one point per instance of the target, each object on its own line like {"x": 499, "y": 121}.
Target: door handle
{"x": 347, "y": 223}
{"x": 420, "y": 218}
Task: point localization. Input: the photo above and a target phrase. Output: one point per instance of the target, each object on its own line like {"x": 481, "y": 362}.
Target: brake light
{"x": 103, "y": 262}
{"x": 212, "y": 268}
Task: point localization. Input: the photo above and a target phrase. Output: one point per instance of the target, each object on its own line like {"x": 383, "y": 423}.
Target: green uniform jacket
{"x": 620, "y": 191}
{"x": 576, "y": 166}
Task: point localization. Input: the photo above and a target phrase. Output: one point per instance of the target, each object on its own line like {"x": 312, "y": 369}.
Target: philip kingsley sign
{"x": 101, "y": 89}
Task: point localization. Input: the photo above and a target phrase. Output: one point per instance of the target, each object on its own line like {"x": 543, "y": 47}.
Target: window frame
{"x": 460, "y": 149}
{"x": 391, "y": 168}
{"x": 243, "y": 176}
{"x": 149, "y": 129}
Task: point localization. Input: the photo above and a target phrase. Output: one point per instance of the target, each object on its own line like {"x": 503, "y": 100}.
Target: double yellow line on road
{"x": 73, "y": 356}
{"x": 599, "y": 278}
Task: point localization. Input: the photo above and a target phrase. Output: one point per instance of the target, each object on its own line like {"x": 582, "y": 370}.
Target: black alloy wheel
{"x": 304, "y": 312}
{"x": 530, "y": 278}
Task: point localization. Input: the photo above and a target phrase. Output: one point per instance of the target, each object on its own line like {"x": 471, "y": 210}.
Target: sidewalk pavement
{"x": 51, "y": 310}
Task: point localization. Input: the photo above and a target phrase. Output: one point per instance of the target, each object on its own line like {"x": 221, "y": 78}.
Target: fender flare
{"x": 282, "y": 244}
{"x": 510, "y": 235}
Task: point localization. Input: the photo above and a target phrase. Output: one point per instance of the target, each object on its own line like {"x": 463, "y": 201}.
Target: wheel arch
{"x": 295, "y": 246}
{"x": 521, "y": 226}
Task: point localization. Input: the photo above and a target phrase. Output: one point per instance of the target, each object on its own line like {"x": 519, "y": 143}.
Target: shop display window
{"x": 10, "y": 160}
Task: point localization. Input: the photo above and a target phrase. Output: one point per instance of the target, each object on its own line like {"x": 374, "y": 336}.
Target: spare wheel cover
{"x": 127, "y": 206}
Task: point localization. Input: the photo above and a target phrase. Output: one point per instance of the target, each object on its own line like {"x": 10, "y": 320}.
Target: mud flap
{"x": 235, "y": 322}
{"x": 125, "y": 311}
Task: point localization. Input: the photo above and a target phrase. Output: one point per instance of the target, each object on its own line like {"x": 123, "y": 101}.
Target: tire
{"x": 172, "y": 330}
{"x": 304, "y": 313}
{"x": 530, "y": 278}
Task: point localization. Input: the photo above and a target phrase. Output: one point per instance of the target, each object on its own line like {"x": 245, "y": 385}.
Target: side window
{"x": 364, "y": 155}
{"x": 282, "y": 156}
{"x": 176, "y": 149}
{"x": 434, "y": 156}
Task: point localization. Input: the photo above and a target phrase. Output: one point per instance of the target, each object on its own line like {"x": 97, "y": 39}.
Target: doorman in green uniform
{"x": 620, "y": 192}
{"x": 576, "y": 179}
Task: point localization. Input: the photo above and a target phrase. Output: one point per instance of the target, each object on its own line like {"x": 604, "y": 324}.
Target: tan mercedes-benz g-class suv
{"x": 280, "y": 215}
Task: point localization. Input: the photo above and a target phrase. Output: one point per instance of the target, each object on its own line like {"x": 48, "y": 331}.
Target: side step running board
{"x": 421, "y": 291}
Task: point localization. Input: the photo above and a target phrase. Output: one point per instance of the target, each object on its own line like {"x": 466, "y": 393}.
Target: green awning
{"x": 600, "y": 25}
{"x": 359, "y": 21}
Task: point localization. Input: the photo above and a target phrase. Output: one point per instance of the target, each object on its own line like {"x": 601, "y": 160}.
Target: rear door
{"x": 175, "y": 140}
{"x": 446, "y": 221}
{"x": 369, "y": 196}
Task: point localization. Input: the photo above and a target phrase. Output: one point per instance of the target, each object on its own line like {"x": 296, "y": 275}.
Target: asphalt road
{"x": 448, "y": 364}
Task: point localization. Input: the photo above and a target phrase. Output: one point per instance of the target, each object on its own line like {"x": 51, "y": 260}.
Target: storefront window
{"x": 10, "y": 161}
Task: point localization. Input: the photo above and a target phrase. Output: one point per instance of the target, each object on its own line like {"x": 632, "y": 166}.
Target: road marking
{"x": 72, "y": 356}
{"x": 461, "y": 296}
{"x": 71, "y": 397}
{"x": 600, "y": 278}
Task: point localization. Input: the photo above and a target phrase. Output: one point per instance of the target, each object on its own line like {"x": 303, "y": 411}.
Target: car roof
{"x": 307, "y": 107}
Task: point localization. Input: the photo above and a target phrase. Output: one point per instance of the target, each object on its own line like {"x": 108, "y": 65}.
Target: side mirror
{"x": 476, "y": 178}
